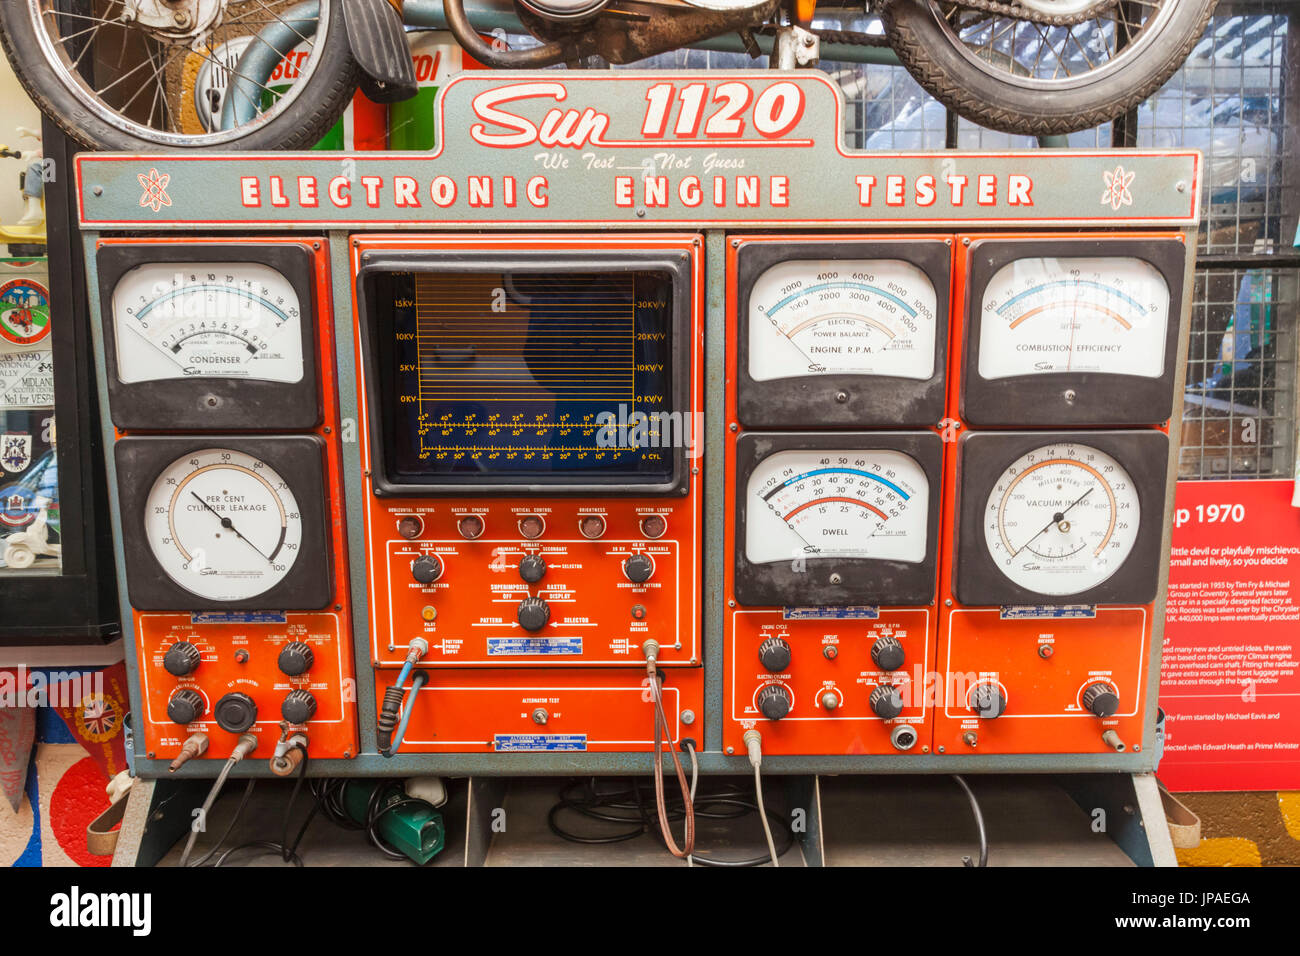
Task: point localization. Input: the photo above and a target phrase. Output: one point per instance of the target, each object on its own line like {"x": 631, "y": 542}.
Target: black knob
{"x": 532, "y": 568}
{"x": 638, "y": 568}
{"x": 774, "y": 655}
{"x": 774, "y": 701}
{"x": 427, "y": 568}
{"x": 533, "y": 613}
{"x": 235, "y": 713}
{"x": 987, "y": 701}
{"x": 181, "y": 659}
{"x": 298, "y": 707}
{"x": 296, "y": 658}
{"x": 886, "y": 702}
{"x": 887, "y": 652}
{"x": 1101, "y": 698}
{"x": 186, "y": 706}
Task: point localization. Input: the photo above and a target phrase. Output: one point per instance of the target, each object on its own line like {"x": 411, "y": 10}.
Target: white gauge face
{"x": 1048, "y": 316}
{"x": 223, "y": 525}
{"x": 207, "y": 320}
{"x": 842, "y": 317}
{"x": 1062, "y": 519}
{"x": 839, "y": 504}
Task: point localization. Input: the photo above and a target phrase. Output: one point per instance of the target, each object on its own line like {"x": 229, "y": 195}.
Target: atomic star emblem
{"x": 1117, "y": 188}
{"x": 155, "y": 190}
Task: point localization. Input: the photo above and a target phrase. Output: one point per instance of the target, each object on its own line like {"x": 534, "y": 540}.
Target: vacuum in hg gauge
{"x": 217, "y": 338}
{"x": 222, "y": 523}
{"x": 1072, "y": 331}
{"x": 841, "y": 332}
{"x": 1047, "y": 518}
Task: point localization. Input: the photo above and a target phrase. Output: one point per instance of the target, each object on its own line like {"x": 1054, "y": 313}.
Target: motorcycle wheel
{"x": 125, "y": 86}
{"x": 1018, "y": 76}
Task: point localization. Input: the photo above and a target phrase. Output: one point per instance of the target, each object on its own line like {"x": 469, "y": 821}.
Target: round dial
{"x": 207, "y": 320}
{"x": 223, "y": 525}
{"x": 1061, "y": 519}
{"x": 1048, "y": 316}
{"x": 839, "y": 503}
{"x": 842, "y": 317}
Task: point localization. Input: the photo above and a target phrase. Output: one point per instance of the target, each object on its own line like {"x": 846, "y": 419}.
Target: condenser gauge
{"x": 1071, "y": 331}
{"x": 209, "y": 335}
{"x": 207, "y": 320}
{"x": 841, "y": 333}
{"x": 846, "y": 518}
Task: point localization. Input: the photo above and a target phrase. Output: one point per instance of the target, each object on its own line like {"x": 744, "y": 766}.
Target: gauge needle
{"x": 1056, "y": 519}
{"x": 229, "y": 525}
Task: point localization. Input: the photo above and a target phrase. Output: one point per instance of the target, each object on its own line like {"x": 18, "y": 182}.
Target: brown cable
{"x": 661, "y": 726}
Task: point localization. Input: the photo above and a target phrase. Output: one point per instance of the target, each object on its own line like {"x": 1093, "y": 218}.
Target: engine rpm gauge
{"x": 223, "y": 524}
{"x": 207, "y": 320}
{"x": 837, "y": 503}
{"x": 1045, "y": 316}
{"x": 813, "y": 317}
{"x": 1062, "y": 518}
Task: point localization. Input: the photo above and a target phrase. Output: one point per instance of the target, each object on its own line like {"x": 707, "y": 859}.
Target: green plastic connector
{"x": 414, "y": 829}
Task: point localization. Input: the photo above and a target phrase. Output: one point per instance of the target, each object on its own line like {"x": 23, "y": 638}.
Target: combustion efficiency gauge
{"x": 1048, "y": 517}
{"x": 1072, "y": 331}
{"x": 224, "y": 523}
{"x": 210, "y": 335}
{"x": 836, "y": 519}
{"x": 842, "y": 332}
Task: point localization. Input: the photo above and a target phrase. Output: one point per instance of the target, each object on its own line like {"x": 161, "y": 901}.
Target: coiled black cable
{"x": 632, "y": 803}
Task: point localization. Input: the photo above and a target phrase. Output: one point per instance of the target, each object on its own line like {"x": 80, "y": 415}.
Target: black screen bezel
{"x": 375, "y": 352}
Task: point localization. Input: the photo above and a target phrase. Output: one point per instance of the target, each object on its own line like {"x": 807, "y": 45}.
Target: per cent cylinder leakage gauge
{"x": 846, "y": 334}
{"x": 1072, "y": 332}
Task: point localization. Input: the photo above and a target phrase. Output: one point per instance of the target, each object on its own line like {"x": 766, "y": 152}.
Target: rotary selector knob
{"x": 533, "y": 613}
{"x": 774, "y": 701}
{"x": 886, "y": 702}
{"x": 185, "y": 707}
{"x": 235, "y": 713}
{"x": 987, "y": 701}
{"x": 298, "y": 707}
{"x": 1101, "y": 698}
{"x": 427, "y": 568}
{"x": 887, "y": 652}
{"x": 774, "y": 654}
{"x": 296, "y": 658}
{"x": 532, "y": 568}
{"x": 181, "y": 659}
{"x": 638, "y": 568}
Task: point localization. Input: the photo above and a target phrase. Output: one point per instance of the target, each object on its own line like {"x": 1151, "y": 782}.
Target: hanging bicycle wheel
{"x": 140, "y": 75}
{"x": 1044, "y": 66}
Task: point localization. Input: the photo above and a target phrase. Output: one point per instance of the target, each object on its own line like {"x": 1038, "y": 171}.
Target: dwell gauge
{"x": 217, "y": 523}
{"x": 836, "y": 519}
{"x": 1065, "y": 331}
{"x": 1050, "y": 517}
{"x": 210, "y": 335}
{"x": 841, "y": 332}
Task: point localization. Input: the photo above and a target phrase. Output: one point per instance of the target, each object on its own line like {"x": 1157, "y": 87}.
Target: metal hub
{"x": 1059, "y": 7}
{"x": 174, "y": 19}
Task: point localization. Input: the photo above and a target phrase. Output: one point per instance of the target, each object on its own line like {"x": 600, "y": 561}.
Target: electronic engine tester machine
{"x": 431, "y": 458}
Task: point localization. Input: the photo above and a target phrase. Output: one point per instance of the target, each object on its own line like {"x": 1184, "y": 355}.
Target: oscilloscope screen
{"x": 528, "y": 377}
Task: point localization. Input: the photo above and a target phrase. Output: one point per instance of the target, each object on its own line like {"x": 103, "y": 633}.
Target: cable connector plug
{"x": 244, "y": 746}
{"x": 289, "y": 752}
{"x": 754, "y": 745}
{"x": 416, "y": 650}
{"x": 195, "y": 746}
